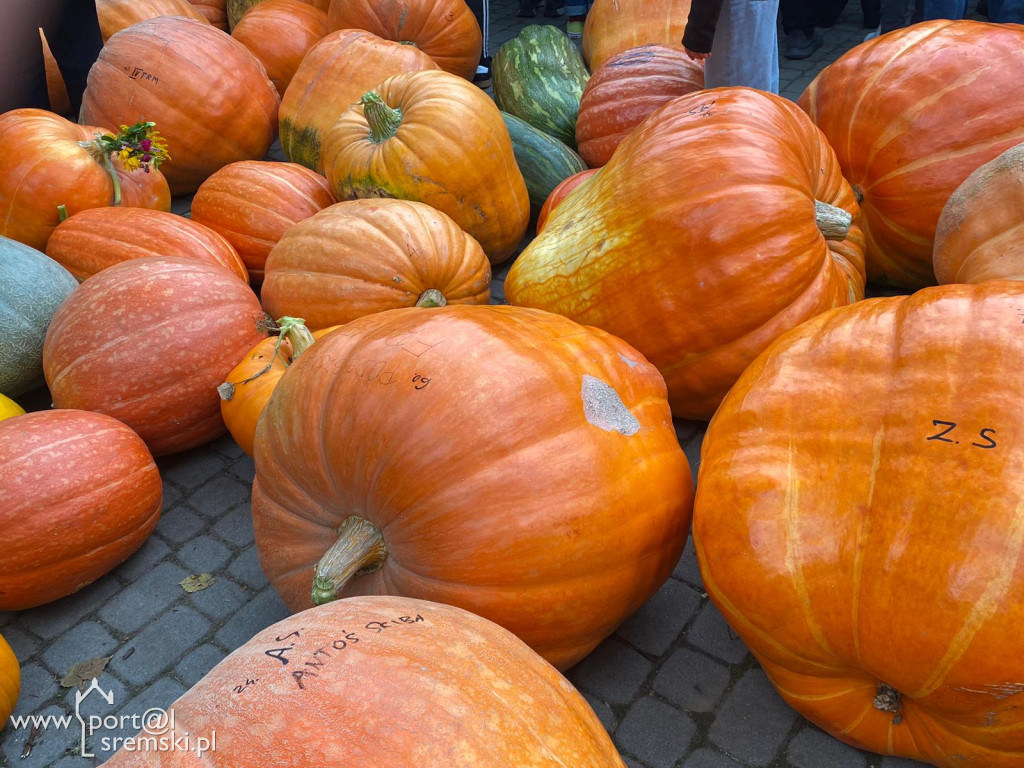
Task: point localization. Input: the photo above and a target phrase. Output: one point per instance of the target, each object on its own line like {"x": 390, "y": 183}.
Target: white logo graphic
{"x": 108, "y": 696}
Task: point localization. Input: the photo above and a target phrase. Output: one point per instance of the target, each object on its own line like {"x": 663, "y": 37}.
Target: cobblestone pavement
{"x": 674, "y": 686}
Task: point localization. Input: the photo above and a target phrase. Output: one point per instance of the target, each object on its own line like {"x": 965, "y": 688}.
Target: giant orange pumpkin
{"x": 445, "y": 30}
{"x": 280, "y": 33}
{"x": 115, "y": 15}
{"x": 209, "y": 96}
{"x": 859, "y": 522}
{"x": 626, "y": 89}
{"x": 99, "y": 237}
{"x": 504, "y": 460}
{"x": 47, "y": 162}
{"x": 79, "y": 493}
{"x": 900, "y": 112}
{"x": 363, "y": 256}
{"x": 708, "y": 233}
{"x": 980, "y": 233}
{"x": 436, "y": 138}
{"x": 333, "y": 76}
{"x": 147, "y": 341}
{"x": 253, "y": 202}
{"x": 614, "y": 26}
{"x": 386, "y": 681}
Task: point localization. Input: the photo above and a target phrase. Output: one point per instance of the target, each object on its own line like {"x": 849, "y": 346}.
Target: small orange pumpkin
{"x": 10, "y": 681}
{"x": 363, "y": 256}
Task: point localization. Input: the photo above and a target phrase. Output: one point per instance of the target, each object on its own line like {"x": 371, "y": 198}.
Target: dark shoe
{"x": 527, "y": 9}
{"x": 482, "y": 78}
{"x": 800, "y": 45}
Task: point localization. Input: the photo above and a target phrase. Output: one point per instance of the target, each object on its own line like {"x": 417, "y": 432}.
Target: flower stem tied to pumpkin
{"x": 292, "y": 328}
{"x": 136, "y": 146}
{"x": 359, "y": 549}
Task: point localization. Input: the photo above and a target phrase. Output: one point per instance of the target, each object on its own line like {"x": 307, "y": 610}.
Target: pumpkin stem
{"x": 888, "y": 699}
{"x": 292, "y": 328}
{"x": 833, "y": 222}
{"x": 431, "y": 298}
{"x": 382, "y": 119}
{"x": 359, "y": 549}
{"x": 62, "y": 212}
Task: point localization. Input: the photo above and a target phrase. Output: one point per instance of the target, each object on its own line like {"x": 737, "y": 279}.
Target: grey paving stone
{"x": 194, "y": 667}
{"x": 203, "y": 554}
{"x": 243, "y": 468}
{"x": 6, "y": 617}
{"x": 172, "y": 495}
{"x": 75, "y": 762}
{"x": 190, "y": 469}
{"x": 51, "y": 743}
{"x": 259, "y": 613}
{"x": 657, "y": 623}
{"x": 753, "y": 721}
{"x": 709, "y": 758}
{"x": 224, "y": 492}
{"x": 692, "y": 680}
{"x": 80, "y": 643}
{"x": 813, "y": 748}
{"x": 687, "y": 569}
{"x": 246, "y": 568}
{"x": 143, "y": 561}
{"x": 180, "y": 524}
{"x": 52, "y": 619}
{"x": 613, "y": 671}
{"x": 144, "y": 598}
{"x": 38, "y": 688}
{"x": 22, "y": 643}
{"x": 160, "y": 645}
{"x": 227, "y": 447}
{"x": 236, "y": 527}
{"x": 655, "y": 732}
{"x": 604, "y": 713}
{"x": 221, "y": 599}
{"x": 712, "y": 634}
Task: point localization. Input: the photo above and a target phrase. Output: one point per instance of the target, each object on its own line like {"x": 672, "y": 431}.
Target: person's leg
{"x": 893, "y": 16}
{"x": 745, "y": 50}
{"x": 21, "y": 56}
{"x": 798, "y": 20}
{"x": 482, "y": 10}
{"x": 1006, "y": 11}
{"x": 944, "y": 9}
{"x": 75, "y": 41}
{"x": 872, "y": 12}
{"x": 577, "y": 16}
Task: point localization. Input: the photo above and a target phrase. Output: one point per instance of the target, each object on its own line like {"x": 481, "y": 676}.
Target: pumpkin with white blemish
{"x": 383, "y": 467}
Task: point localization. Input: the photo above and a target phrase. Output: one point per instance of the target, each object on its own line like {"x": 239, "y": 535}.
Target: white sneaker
{"x": 873, "y": 35}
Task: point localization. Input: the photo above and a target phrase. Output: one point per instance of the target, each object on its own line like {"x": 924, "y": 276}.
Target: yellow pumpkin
{"x": 9, "y": 408}
{"x": 10, "y": 681}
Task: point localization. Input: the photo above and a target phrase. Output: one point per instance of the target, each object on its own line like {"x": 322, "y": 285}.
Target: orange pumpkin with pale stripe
{"x": 859, "y": 522}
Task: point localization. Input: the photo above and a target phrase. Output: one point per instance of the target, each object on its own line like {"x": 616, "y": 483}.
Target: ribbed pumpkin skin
{"x": 31, "y": 288}
{"x": 980, "y": 234}
{"x": 451, "y": 150}
{"x": 208, "y": 95}
{"x": 693, "y": 268}
{"x": 439, "y": 677}
{"x": 79, "y": 493}
{"x": 363, "y": 256}
{"x": 280, "y": 33}
{"x": 894, "y": 110}
{"x": 333, "y": 76}
{"x": 10, "y": 680}
{"x": 539, "y": 77}
{"x": 445, "y": 30}
{"x": 253, "y": 202}
{"x": 215, "y": 12}
{"x": 614, "y": 26}
{"x": 543, "y": 517}
{"x": 559, "y": 193}
{"x": 236, "y": 9}
{"x": 626, "y": 89}
{"x": 115, "y": 15}
{"x": 42, "y": 166}
{"x": 189, "y": 324}
{"x": 851, "y": 539}
{"x": 95, "y": 239}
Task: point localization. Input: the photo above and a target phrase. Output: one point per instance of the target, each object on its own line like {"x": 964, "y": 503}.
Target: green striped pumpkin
{"x": 544, "y": 161}
{"x": 539, "y": 77}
